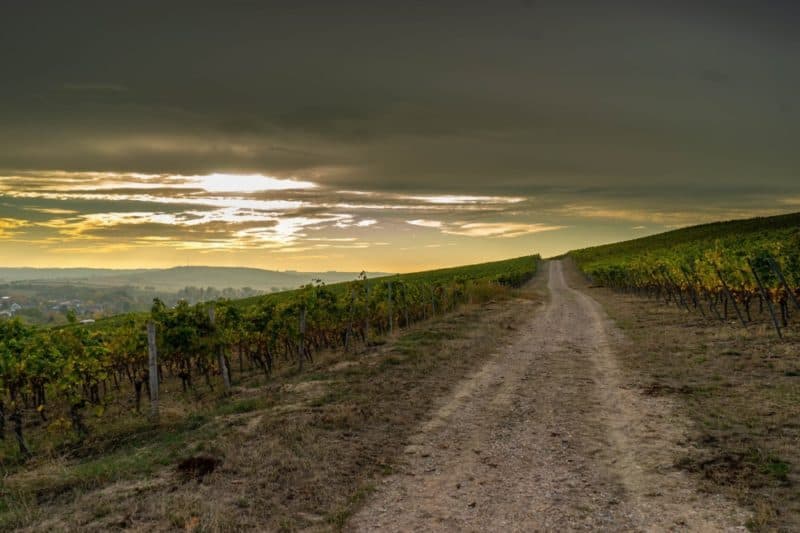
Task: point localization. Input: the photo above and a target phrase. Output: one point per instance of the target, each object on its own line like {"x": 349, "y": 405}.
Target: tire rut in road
{"x": 546, "y": 436}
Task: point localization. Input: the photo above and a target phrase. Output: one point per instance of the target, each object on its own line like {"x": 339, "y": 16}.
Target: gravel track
{"x": 549, "y": 434}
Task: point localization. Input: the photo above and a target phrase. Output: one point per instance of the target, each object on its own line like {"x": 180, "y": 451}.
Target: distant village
{"x": 54, "y": 304}
{"x": 11, "y": 306}
{"x": 8, "y": 307}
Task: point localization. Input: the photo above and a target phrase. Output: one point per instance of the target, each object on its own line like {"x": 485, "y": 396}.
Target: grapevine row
{"x": 734, "y": 277}
{"x": 57, "y": 376}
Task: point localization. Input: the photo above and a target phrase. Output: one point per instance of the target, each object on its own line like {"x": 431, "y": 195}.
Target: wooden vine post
{"x": 766, "y": 298}
{"x": 778, "y": 272}
{"x": 16, "y": 419}
{"x": 680, "y": 302}
{"x": 301, "y": 348}
{"x": 389, "y": 307}
{"x": 223, "y": 365}
{"x": 405, "y": 304}
{"x": 366, "y": 314}
{"x": 729, "y": 296}
{"x": 692, "y": 292}
{"x": 709, "y": 297}
{"x": 349, "y": 333}
{"x": 153, "y": 369}
{"x": 663, "y": 289}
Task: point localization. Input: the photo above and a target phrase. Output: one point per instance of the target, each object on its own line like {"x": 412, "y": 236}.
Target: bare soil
{"x": 549, "y": 434}
{"x": 297, "y": 452}
{"x": 532, "y": 413}
{"x": 739, "y": 388}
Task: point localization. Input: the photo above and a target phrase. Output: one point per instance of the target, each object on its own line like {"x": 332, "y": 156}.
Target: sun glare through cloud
{"x": 250, "y": 244}
{"x": 102, "y": 214}
{"x": 246, "y": 183}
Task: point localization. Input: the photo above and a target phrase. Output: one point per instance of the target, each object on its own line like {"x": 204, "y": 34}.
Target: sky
{"x": 385, "y": 136}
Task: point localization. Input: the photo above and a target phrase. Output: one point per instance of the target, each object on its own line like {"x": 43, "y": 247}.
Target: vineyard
{"x": 747, "y": 270}
{"x": 64, "y": 380}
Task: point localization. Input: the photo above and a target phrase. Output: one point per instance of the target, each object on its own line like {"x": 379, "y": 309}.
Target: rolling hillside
{"x": 178, "y": 277}
{"x": 759, "y": 230}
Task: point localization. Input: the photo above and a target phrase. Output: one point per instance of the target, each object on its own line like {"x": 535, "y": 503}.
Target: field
{"x": 224, "y": 228}
{"x": 748, "y": 269}
{"x": 712, "y": 316}
{"x": 740, "y": 391}
{"x": 293, "y": 417}
{"x": 394, "y": 401}
{"x": 54, "y": 376}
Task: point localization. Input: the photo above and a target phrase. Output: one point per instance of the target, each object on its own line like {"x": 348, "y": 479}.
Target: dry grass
{"x": 297, "y": 452}
{"x": 741, "y": 390}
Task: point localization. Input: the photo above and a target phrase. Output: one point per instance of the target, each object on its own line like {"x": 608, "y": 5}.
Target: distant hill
{"x": 57, "y": 274}
{"x": 178, "y": 277}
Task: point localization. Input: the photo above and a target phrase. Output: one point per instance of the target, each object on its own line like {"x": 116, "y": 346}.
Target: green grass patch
{"x": 777, "y": 468}
{"x": 235, "y": 407}
{"x": 131, "y": 455}
{"x": 338, "y": 519}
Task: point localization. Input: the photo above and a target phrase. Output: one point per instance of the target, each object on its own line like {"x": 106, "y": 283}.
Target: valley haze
{"x": 179, "y": 277}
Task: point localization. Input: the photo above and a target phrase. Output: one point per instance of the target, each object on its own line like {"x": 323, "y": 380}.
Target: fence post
{"x": 153, "y": 369}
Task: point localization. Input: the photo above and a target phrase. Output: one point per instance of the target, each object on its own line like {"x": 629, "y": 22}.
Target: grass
{"x": 58, "y": 480}
{"x": 740, "y": 391}
{"x": 122, "y": 450}
{"x": 708, "y": 236}
{"x": 295, "y": 451}
{"x": 338, "y": 519}
{"x": 239, "y": 406}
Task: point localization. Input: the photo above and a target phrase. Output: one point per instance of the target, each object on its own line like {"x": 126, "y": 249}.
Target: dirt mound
{"x": 197, "y": 467}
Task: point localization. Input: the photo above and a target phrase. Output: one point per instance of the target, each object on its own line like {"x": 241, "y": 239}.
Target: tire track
{"x": 547, "y": 435}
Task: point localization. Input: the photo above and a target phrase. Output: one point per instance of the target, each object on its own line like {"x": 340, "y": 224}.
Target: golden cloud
{"x": 497, "y": 229}
{"x": 11, "y": 226}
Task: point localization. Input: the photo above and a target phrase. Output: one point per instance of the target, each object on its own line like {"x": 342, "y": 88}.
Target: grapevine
{"x": 726, "y": 271}
{"x": 63, "y": 376}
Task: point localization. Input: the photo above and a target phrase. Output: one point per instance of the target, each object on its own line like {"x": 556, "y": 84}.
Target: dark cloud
{"x": 136, "y": 219}
{"x": 476, "y": 96}
{"x": 596, "y": 117}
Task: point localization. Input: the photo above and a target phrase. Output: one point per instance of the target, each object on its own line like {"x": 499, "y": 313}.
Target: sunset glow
{"x": 245, "y": 183}
{"x": 521, "y": 132}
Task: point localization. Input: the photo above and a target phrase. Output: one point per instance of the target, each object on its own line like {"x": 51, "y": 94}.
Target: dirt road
{"x": 549, "y": 434}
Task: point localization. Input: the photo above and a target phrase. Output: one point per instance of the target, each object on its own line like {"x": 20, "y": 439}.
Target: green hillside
{"x": 739, "y": 260}
{"x": 759, "y": 231}
{"x": 60, "y": 372}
